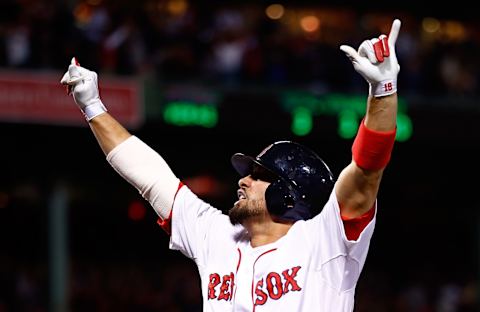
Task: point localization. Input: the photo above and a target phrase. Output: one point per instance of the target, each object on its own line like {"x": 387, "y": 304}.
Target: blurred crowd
{"x": 105, "y": 287}
{"x": 236, "y": 43}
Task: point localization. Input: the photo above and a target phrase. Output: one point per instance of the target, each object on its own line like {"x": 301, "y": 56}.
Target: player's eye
{"x": 263, "y": 174}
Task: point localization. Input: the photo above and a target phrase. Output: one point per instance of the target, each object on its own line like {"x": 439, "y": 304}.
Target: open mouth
{"x": 241, "y": 194}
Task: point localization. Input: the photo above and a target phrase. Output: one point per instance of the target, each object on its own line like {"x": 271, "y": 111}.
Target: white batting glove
{"x": 377, "y": 62}
{"x": 83, "y": 84}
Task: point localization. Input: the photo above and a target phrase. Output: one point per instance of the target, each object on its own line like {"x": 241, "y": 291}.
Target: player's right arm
{"x": 135, "y": 161}
{"x": 108, "y": 132}
{"x": 147, "y": 171}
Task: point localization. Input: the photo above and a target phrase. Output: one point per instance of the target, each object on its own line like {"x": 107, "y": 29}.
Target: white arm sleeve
{"x": 146, "y": 170}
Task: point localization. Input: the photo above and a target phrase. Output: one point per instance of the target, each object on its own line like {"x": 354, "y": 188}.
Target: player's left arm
{"x": 358, "y": 184}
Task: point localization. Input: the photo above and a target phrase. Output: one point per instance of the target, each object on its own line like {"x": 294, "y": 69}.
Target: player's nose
{"x": 245, "y": 181}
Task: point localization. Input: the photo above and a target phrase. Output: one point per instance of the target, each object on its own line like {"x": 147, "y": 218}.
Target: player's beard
{"x": 245, "y": 209}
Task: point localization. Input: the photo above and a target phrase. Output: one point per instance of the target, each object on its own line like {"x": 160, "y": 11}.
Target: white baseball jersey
{"x": 314, "y": 267}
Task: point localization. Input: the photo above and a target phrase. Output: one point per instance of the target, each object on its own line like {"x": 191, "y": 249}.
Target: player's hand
{"x": 377, "y": 62}
{"x": 83, "y": 84}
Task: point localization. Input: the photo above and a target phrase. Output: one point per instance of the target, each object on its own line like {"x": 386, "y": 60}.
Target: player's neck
{"x": 263, "y": 233}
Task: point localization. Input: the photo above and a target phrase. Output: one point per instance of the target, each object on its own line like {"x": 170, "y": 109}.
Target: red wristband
{"x": 372, "y": 149}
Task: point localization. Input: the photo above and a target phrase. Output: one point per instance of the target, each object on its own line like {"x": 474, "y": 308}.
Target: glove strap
{"x": 93, "y": 110}
{"x": 383, "y": 88}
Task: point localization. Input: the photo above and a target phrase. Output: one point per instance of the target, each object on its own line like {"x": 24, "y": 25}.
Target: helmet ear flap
{"x": 278, "y": 198}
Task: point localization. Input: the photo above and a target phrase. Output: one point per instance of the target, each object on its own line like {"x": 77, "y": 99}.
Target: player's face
{"x": 251, "y": 196}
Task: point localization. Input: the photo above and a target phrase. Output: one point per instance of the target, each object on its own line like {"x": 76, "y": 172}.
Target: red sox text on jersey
{"x": 274, "y": 285}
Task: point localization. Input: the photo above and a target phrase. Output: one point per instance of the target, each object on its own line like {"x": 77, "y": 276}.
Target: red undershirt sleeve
{"x": 166, "y": 224}
{"x": 354, "y": 227}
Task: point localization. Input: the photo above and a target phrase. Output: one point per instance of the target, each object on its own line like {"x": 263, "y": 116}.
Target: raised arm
{"x": 358, "y": 183}
{"x": 136, "y": 162}
{"x": 83, "y": 85}
{"x": 108, "y": 132}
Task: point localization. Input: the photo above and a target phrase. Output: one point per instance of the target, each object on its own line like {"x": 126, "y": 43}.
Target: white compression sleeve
{"x": 146, "y": 170}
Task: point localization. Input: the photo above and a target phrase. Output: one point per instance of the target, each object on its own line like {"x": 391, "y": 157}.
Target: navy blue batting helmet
{"x": 301, "y": 183}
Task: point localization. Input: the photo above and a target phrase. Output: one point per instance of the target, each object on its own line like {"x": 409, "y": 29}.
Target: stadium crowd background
{"x": 238, "y": 42}
{"x": 424, "y": 255}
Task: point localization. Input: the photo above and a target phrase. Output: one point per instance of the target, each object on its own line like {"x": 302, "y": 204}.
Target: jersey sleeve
{"x": 340, "y": 259}
{"x": 191, "y": 221}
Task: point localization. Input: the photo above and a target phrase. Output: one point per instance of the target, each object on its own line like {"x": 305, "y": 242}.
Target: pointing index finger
{"x": 392, "y": 37}
{"x": 74, "y": 61}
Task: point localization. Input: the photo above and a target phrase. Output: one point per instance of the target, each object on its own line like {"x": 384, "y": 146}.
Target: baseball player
{"x": 296, "y": 239}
